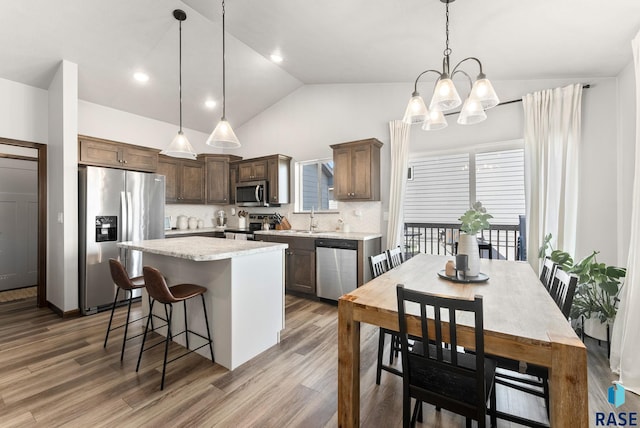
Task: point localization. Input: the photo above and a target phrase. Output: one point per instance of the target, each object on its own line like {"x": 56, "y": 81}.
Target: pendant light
{"x": 223, "y": 135}
{"x": 180, "y": 146}
{"x": 445, "y": 96}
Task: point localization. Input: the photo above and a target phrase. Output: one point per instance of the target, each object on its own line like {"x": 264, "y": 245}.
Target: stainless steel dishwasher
{"x": 336, "y": 267}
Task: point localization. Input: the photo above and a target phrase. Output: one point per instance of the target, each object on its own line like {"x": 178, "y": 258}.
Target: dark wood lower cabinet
{"x": 300, "y": 262}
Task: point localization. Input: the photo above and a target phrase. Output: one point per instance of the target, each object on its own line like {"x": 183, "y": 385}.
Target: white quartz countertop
{"x": 200, "y": 248}
{"x": 174, "y": 232}
{"x": 357, "y": 236}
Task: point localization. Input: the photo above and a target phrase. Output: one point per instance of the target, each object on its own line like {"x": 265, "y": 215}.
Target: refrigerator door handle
{"x": 123, "y": 227}
{"x": 129, "y": 218}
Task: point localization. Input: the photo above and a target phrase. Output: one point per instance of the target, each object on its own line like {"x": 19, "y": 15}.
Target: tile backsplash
{"x": 360, "y": 216}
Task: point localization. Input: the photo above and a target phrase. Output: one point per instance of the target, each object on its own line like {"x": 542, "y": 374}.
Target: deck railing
{"x": 498, "y": 242}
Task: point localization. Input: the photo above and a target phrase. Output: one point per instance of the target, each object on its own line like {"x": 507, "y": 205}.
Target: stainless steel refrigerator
{"x": 115, "y": 206}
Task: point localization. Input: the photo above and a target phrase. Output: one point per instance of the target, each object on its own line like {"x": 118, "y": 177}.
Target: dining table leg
{"x": 568, "y": 390}
{"x": 348, "y": 365}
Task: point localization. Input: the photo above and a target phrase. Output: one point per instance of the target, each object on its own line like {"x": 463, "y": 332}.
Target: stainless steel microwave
{"x": 252, "y": 194}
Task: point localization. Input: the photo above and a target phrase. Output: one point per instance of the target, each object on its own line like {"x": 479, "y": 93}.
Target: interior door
{"x": 18, "y": 224}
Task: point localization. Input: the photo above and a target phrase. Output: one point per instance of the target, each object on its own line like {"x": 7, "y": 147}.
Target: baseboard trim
{"x": 61, "y": 313}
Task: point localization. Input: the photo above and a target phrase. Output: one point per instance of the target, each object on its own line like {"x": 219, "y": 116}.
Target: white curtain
{"x": 551, "y": 138}
{"x": 399, "y": 163}
{"x": 625, "y": 341}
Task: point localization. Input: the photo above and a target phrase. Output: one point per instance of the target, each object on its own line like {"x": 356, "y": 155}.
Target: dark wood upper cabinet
{"x": 357, "y": 170}
{"x": 275, "y": 169}
{"x": 233, "y": 180}
{"x": 279, "y": 173}
{"x": 99, "y": 152}
{"x": 185, "y": 180}
{"x": 218, "y": 178}
{"x": 250, "y": 170}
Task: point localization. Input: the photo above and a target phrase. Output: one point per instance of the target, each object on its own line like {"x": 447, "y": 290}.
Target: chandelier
{"x": 445, "y": 96}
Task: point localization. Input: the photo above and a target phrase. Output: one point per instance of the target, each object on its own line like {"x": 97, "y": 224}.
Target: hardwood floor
{"x": 55, "y": 372}
{"x": 17, "y": 294}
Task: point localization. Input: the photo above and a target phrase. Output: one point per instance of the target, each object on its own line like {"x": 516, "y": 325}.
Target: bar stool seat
{"x": 160, "y": 292}
{"x": 121, "y": 279}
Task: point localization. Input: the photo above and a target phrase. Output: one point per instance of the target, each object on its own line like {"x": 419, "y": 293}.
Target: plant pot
{"x": 468, "y": 244}
{"x": 594, "y": 328}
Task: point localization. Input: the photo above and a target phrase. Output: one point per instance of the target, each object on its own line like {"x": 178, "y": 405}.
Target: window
{"x": 314, "y": 184}
{"x": 444, "y": 186}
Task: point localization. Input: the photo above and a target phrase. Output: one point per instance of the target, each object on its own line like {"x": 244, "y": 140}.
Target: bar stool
{"x": 159, "y": 291}
{"x": 126, "y": 284}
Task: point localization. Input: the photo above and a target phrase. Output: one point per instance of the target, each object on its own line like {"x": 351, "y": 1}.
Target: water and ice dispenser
{"x": 106, "y": 228}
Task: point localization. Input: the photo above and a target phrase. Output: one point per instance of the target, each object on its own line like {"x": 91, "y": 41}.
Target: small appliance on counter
{"x": 183, "y": 222}
{"x": 221, "y": 218}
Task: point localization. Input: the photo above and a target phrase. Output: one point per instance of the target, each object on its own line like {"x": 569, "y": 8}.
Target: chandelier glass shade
{"x": 180, "y": 146}
{"x": 446, "y": 97}
{"x": 223, "y": 135}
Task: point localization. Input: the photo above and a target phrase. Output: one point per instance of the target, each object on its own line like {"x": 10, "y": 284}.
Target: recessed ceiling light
{"x": 141, "y": 77}
{"x": 276, "y": 58}
{"x": 210, "y": 104}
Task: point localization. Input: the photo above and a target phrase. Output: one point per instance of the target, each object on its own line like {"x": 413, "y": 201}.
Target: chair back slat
{"x": 395, "y": 257}
{"x": 548, "y": 270}
{"x": 378, "y": 264}
{"x": 563, "y": 289}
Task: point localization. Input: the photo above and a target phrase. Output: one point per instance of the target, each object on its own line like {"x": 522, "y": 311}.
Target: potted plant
{"x": 598, "y": 288}
{"x": 596, "y": 296}
{"x": 473, "y": 221}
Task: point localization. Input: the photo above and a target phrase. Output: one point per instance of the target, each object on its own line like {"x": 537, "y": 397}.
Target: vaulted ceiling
{"x": 329, "y": 41}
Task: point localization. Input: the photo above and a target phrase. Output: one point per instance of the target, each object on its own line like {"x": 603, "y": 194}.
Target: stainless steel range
{"x": 256, "y": 222}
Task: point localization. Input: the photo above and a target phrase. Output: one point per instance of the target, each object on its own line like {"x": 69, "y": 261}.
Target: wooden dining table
{"x": 521, "y": 322}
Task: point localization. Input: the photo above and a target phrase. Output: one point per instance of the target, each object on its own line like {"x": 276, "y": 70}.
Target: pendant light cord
{"x": 224, "y": 109}
{"x": 180, "y": 72}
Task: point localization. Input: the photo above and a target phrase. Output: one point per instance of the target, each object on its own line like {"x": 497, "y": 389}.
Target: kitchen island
{"x": 245, "y": 297}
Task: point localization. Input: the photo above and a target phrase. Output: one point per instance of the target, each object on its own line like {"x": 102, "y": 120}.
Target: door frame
{"x": 42, "y": 211}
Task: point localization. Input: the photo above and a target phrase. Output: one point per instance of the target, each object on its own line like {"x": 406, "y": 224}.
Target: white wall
{"x": 23, "y": 112}
{"x": 306, "y": 122}
{"x": 104, "y": 122}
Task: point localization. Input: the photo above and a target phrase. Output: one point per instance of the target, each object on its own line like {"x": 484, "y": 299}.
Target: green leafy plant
{"x": 598, "y": 289}
{"x": 475, "y": 219}
{"x": 598, "y": 284}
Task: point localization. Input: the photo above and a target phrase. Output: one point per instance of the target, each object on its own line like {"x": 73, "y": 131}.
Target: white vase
{"x": 468, "y": 244}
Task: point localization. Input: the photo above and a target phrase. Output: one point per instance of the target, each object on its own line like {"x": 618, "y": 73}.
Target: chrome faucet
{"x": 311, "y": 225}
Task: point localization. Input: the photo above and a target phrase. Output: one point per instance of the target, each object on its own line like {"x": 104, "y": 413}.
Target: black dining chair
{"x": 548, "y": 270}
{"x": 395, "y": 257}
{"x": 563, "y": 288}
{"x": 379, "y": 264}
{"x": 445, "y": 377}
{"x": 536, "y": 378}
